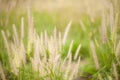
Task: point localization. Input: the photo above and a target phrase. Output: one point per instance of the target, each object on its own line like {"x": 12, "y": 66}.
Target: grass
{"x": 41, "y": 55}
{"x": 85, "y": 49}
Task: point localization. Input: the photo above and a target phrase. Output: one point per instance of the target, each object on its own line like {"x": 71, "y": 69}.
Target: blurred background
{"x": 87, "y": 17}
{"x": 47, "y": 14}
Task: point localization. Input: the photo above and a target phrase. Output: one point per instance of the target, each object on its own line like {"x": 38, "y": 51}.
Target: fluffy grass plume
{"x": 42, "y": 52}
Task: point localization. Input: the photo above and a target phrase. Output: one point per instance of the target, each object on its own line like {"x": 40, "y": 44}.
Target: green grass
{"x": 46, "y": 21}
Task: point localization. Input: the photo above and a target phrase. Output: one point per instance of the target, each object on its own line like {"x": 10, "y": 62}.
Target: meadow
{"x": 49, "y": 40}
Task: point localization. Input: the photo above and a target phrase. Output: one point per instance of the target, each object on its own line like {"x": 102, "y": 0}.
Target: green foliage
{"x": 45, "y": 21}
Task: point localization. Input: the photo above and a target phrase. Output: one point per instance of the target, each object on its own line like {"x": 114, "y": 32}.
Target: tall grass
{"x": 105, "y": 56}
{"x": 40, "y": 54}
{"x": 34, "y": 56}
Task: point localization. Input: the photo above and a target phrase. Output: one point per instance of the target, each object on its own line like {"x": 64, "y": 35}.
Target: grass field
{"x": 59, "y": 40}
